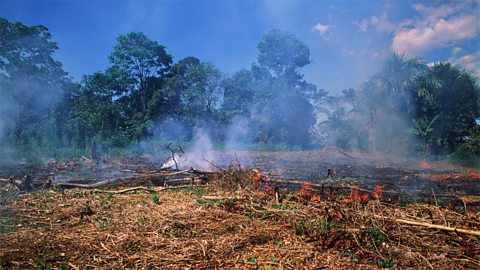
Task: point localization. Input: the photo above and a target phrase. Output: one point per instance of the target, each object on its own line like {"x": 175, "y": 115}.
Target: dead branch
{"x": 151, "y": 190}
{"x": 211, "y": 163}
{"x": 75, "y": 185}
{"x": 124, "y": 190}
{"x": 167, "y": 146}
{"x": 219, "y": 198}
{"x": 3, "y": 180}
{"x": 432, "y": 226}
{"x": 197, "y": 171}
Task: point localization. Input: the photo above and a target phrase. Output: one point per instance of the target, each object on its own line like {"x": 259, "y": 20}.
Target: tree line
{"x": 432, "y": 109}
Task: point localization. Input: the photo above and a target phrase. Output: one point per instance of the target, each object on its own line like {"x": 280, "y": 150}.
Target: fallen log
{"x": 124, "y": 190}
{"x": 75, "y": 185}
{"x": 197, "y": 171}
{"x": 124, "y": 179}
{"x": 432, "y": 226}
{"x": 3, "y": 180}
{"x": 151, "y": 190}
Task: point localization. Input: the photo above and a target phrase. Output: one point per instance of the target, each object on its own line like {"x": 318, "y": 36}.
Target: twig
{"x": 167, "y": 146}
{"x": 73, "y": 266}
{"x": 464, "y": 205}
{"x": 208, "y": 197}
{"x": 421, "y": 256}
{"x": 209, "y": 162}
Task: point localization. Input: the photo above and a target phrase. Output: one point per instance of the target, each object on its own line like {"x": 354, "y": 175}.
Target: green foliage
{"x": 7, "y": 222}
{"x": 156, "y": 199}
{"x": 453, "y": 95}
{"x": 45, "y": 114}
{"x": 385, "y": 263}
{"x": 472, "y": 142}
{"x": 140, "y": 60}
{"x": 348, "y": 253}
{"x": 374, "y": 238}
{"x": 207, "y": 202}
{"x": 300, "y": 227}
{"x": 194, "y": 89}
{"x": 283, "y": 54}
{"x": 106, "y": 224}
{"x": 32, "y": 83}
{"x": 423, "y": 129}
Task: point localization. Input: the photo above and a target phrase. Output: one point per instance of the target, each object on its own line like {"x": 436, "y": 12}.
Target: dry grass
{"x": 186, "y": 228}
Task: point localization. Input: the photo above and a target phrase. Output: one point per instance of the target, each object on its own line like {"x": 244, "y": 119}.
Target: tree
{"x": 193, "y": 89}
{"x": 139, "y": 58}
{"x": 95, "y": 105}
{"x": 423, "y": 129}
{"x": 385, "y": 102}
{"x": 31, "y": 81}
{"x": 283, "y": 54}
{"x": 452, "y": 94}
{"x": 282, "y": 110}
{"x": 239, "y": 93}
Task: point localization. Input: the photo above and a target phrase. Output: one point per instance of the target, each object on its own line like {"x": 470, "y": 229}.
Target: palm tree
{"x": 423, "y": 129}
{"x": 386, "y": 95}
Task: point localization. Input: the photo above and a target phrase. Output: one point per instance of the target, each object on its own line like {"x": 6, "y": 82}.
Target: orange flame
{"x": 474, "y": 174}
{"x": 425, "y": 165}
{"x": 316, "y": 198}
{"x": 256, "y": 176}
{"x": 306, "y": 191}
{"x": 377, "y": 193}
{"x": 355, "y": 196}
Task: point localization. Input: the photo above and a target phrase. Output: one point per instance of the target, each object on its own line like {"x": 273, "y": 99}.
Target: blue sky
{"x": 347, "y": 39}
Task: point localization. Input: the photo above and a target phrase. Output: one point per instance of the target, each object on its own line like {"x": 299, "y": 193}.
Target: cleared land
{"x": 231, "y": 220}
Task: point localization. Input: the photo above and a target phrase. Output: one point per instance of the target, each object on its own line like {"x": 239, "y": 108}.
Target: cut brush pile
{"x": 239, "y": 219}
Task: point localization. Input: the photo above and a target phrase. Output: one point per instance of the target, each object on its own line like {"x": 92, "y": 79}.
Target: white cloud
{"x": 428, "y": 35}
{"x": 322, "y": 28}
{"x": 436, "y": 27}
{"x": 456, "y": 50}
{"x": 434, "y": 13}
{"x": 362, "y": 25}
{"x": 382, "y": 23}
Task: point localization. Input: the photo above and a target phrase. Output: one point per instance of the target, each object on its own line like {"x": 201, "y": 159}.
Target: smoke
{"x": 238, "y": 134}
{"x": 25, "y": 106}
{"x": 7, "y": 112}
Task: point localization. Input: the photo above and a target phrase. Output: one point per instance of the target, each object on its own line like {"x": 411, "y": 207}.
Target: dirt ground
{"x": 223, "y": 226}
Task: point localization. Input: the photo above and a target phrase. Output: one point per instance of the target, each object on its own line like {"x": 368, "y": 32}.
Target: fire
{"x": 256, "y": 176}
{"x": 425, "y": 165}
{"x": 306, "y": 191}
{"x": 354, "y": 195}
{"x": 316, "y": 198}
{"x": 377, "y": 193}
{"x": 474, "y": 174}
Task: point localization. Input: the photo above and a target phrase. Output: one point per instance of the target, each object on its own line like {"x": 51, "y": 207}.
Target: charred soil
{"x": 235, "y": 218}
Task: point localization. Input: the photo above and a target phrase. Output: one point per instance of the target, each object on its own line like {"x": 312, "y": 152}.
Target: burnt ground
{"x": 220, "y": 227}
{"x": 405, "y": 180}
{"x": 233, "y": 222}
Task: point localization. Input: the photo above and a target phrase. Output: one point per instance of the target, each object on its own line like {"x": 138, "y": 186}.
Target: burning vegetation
{"x": 152, "y": 163}
{"x": 145, "y": 216}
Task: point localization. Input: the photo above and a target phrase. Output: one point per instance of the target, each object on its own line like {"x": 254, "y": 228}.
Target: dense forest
{"x": 144, "y": 97}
